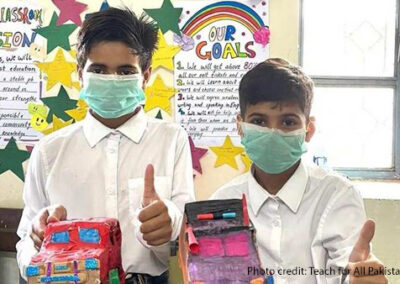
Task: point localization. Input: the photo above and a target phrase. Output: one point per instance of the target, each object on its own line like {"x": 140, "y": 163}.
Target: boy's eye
{"x": 258, "y": 121}
{"x": 289, "y": 122}
{"x": 127, "y": 72}
{"x": 97, "y": 70}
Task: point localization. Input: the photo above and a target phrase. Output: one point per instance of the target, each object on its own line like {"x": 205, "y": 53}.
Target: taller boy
{"x": 97, "y": 167}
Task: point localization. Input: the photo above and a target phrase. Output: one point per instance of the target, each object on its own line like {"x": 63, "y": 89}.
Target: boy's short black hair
{"x": 122, "y": 25}
{"x": 276, "y": 80}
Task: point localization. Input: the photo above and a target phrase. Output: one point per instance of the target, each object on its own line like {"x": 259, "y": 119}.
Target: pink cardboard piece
{"x": 210, "y": 246}
{"x": 237, "y": 245}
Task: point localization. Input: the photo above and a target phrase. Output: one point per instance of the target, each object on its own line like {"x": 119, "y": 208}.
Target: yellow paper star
{"x": 246, "y": 161}
{"x": 77, "y": 85}
{"x": 158, "y": 95}
{"x": 57, "y": 124}
{"x": 226, "y": 153}
{"x": 164, "y": 54}
{"x": 58, "y": 71}
{"x": 78, "y": 113}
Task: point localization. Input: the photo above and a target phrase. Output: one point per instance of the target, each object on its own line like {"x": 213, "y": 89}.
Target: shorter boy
{"x": 307, "y": 219}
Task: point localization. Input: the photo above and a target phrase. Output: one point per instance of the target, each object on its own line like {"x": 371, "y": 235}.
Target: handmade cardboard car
{"x": 79, "y": 251}
{"x": 217, "y": 243}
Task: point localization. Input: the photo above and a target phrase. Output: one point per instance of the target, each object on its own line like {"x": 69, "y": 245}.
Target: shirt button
{"x": 276, "y": 223}
{"x": 112, "y": 151}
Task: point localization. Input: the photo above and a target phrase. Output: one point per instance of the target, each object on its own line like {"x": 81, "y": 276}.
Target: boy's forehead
{"x": 275, "y": 108}
{"x": 113, "y": 53}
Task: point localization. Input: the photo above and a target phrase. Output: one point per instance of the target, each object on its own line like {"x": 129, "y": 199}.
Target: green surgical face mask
{"x": 112, "y": 96}
{"x": 273, "y": 150}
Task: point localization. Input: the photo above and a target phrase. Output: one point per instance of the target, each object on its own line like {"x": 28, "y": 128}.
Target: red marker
{"x": 205, "y": 216}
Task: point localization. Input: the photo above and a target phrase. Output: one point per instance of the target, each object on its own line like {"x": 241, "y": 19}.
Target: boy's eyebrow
{"x": 291, "y": 114}
{"x": 97, "y": 65}
{"x": 257, "y": 114}
{"x": 128, "y": 66}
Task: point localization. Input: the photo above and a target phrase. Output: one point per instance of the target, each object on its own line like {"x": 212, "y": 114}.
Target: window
{"x": 349, "y": 47}
{"x": 60, "y": 238}
{"x": 88, "y": 235}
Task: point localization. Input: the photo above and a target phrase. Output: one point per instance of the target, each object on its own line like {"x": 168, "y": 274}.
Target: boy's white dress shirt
{"x": 95, "y": 171}
{"x": 311, "y": 224}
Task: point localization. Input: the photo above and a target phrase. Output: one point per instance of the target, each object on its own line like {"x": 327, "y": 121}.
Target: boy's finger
{"x": 158, "y": 237}
{"x": 376, "y": 279}
{"x": 364, "y": 268}
{"x": 36, "y": 240}
{"x": 162, "y": 220}
{"x": 154, "y": 209}
{"x": 361, "y": 249}
{"x": 57, "y": 213}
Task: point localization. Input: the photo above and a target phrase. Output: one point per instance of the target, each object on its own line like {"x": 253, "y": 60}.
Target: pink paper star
{"x": 197, "y": 153}
{"x": 69, "y": 10}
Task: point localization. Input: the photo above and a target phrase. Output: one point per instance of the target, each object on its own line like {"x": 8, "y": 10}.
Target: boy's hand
{"x": 156, "y": 224}
{"x": 45, "y": 216}
{"x": 365, "y": 267}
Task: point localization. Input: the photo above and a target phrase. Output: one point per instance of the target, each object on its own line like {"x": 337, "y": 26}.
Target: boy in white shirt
{"x": 99, "y": 167}
{"x": 307, "y": 220}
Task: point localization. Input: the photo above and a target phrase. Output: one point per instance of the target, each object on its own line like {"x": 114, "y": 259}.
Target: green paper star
{"x": 11, "y": 158}
{"x": 159, "y": 115}
{"x": 58, "y": 105}
{"x": 56, "y": 35}
{"x": 167, "y": 17}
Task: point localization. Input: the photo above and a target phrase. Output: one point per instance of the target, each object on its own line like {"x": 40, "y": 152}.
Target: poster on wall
{"x": 19, "y": 77}
{"x": 220, "y": 41}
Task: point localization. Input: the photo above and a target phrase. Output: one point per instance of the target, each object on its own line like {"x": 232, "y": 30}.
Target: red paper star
{"x": 69, "y": 10}
{"x": 197, "y": 153}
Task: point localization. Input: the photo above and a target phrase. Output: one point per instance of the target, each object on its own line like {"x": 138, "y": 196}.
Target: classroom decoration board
{"x": 221, "y": 40}
{"x": 19, "y": 77}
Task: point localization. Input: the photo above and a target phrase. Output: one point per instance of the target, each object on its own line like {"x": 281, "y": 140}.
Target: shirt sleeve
{"x": 182, "y": 192}
{"x": 340, "y": 228}
{"x": 35, "y": 199}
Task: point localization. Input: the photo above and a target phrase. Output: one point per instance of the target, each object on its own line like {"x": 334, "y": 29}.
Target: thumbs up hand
{"x": 364, "y": 267}
{"x": 156, "y": 224}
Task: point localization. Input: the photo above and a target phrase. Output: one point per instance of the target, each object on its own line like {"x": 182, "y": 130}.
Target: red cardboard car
{"x": 79, "y": 251}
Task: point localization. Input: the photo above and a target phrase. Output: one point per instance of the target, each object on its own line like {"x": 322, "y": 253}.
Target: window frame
{"x": 361, "y": 81}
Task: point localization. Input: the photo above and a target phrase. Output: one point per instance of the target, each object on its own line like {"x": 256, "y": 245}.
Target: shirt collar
{"x": 133, "y": 128}
{"x": 291, "y": 193}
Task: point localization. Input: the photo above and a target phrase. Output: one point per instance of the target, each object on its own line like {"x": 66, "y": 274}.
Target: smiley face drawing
{"x": 37, "y": 51}
{"x": 39, "y": 115}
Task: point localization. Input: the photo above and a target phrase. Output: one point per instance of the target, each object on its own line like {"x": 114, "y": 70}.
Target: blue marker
{"x": 229, "y": 215}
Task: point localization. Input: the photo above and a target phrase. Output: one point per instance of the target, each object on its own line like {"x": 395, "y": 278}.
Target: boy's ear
{"x": 310, "y": 129}
{"x": 146, "y": 77}
{"x": 239, "y": 127}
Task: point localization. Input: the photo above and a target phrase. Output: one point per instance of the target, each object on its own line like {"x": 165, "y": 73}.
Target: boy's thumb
{"x": 361, "y": 249}
{"x": 149, "y": 193}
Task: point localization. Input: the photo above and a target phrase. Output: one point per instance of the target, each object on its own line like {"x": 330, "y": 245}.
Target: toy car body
{"x": 79, "y": 251}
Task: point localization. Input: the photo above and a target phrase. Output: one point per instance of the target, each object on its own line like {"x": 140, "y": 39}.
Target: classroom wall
{"x": 284, "y": 25}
